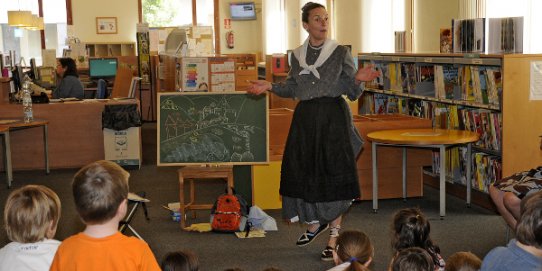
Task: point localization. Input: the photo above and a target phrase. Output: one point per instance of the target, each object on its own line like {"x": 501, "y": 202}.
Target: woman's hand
{"x": 366, "y": 73}
{"x": 258, "y": 87}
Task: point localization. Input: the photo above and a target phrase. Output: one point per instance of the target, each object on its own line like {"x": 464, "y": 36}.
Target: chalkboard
{"x": 212, "y": 128}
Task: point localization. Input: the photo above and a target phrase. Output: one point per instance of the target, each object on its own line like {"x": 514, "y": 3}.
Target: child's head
{"x": 99, "y": 189}
{"x": 529, "y": 227}
{"x": 410, "y": 229}
{"x": 463, "y": 261}
{"x": 354, "y": 247}
{"x": 180, "y": 261}
{"x": 412, "y": 259}
{"x": 31, "y": 214}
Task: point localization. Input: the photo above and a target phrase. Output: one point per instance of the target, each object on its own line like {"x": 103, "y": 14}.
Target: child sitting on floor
{"x": 31, "y": 216}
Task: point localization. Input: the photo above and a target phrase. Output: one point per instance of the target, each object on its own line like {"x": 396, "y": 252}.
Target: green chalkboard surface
{"x": 208, "y": 128}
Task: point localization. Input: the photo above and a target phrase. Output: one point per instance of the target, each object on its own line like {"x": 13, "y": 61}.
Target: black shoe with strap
{"x": 327, "y": 254}
{"x": 307, "y": 237}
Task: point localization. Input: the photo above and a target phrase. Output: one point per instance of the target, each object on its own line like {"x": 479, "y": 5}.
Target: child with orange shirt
{"x": 100, "y": 191}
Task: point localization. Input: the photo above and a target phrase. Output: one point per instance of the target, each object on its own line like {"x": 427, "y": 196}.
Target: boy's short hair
{"x": 463, "y": 261}
{"x": 30, "y": 213}
{"x": 412, "y": 259}
{"x": 529, "y": 227}
{"x": 98, "y": 190}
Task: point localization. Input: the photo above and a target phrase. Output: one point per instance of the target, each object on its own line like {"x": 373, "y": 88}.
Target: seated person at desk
{"x": 69, "y": 85}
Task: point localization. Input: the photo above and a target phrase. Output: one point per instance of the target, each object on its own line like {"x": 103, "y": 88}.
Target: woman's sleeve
{"x": 285, "y": 88}
{"x": 348, "y": 82}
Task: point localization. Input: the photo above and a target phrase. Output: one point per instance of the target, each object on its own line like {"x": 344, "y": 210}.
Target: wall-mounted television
{"x": 243, "y": 11}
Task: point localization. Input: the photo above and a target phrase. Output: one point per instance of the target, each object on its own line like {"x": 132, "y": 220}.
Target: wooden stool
{"x": 200, "y": 173}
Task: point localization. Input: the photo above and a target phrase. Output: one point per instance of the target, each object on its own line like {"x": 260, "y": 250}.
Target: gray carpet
{"x": 464, "y": 229}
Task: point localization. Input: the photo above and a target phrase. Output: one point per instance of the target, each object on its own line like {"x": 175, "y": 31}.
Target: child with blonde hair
{"x": 31, "y": 217}
{"x": 100, "y": 191}
{"x": 353, "y": 252}
{"x": 463, "y": 261}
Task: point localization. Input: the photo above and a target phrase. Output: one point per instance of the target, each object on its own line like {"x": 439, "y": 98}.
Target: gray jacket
{"x": 69, "y": 87}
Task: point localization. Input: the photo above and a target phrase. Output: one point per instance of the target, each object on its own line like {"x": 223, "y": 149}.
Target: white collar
{"x": 301, "y": 55}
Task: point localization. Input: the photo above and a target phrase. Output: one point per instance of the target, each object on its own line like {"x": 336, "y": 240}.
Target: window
{"x": 27, "y": 43}
{"x": 275, "y": 41}
{"x": 380, "y": 20}
{"x": 168, "y": 13}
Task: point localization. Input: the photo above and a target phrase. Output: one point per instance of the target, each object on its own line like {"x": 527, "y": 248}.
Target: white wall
{"x": 348, "y": 24}
{"x": 429, "y": 17}
{"x": 84, "y": 13}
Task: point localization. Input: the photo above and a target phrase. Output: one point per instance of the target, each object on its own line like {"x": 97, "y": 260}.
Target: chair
{"x": 101, "y": 89}
{"x": 135, "y": 200}
{"x": 195, "y": 173}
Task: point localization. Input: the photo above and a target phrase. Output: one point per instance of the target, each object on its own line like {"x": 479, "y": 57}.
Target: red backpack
{"x": 229, "y": 213}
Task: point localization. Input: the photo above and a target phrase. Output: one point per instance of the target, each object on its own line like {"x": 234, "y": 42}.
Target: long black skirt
{"x": 319, "y": 163}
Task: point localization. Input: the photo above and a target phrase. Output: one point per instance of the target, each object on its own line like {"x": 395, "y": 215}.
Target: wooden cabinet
{"x": 522, "y": 122}
{"x": 245, "y": 69}
{"x": 99, "y": 49}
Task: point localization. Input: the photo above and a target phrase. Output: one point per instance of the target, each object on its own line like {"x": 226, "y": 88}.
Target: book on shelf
{"x": 445, "y": 40}
{"x": 468, "y": 35}
{"x": 505, "y": 35}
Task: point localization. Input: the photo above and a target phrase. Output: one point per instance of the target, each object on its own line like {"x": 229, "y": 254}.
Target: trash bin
{"x": 121, "y": 125}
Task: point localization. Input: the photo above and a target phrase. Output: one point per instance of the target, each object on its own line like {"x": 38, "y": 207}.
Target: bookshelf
{"x": 245, "y": 69}
{"x": 454, "y": 91}
{"x": 106, "y": 49}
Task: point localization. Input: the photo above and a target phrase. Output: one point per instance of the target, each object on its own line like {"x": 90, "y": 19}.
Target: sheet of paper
{"x": 535, "y": 85}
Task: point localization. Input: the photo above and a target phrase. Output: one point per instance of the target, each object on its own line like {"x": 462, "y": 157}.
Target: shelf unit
{"x": 107, "y": 49}
{"x": 246, "y": 68}
{"x": 455, "y": 91}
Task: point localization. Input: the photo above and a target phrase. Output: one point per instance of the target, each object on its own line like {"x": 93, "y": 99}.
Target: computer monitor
{"x": 102, "y": 68}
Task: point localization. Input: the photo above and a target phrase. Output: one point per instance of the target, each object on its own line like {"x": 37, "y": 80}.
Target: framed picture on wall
{"x": 106, "y": 25}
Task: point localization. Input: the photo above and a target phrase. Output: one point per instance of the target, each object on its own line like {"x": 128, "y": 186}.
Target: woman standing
{"x": 319, "y": 176}
{"x": 69, "y": 85}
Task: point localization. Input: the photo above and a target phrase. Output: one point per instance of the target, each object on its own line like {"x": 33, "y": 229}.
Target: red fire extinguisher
{"x": 229, "y": 39}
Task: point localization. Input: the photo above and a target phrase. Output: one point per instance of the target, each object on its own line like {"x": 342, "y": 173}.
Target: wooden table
{"x": 10, "y": 125}
{"x": 423, "y": 138}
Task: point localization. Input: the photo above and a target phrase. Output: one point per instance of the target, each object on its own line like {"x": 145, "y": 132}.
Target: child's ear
{"x": 123, "y": 208}
{"x": 51, "y": 230}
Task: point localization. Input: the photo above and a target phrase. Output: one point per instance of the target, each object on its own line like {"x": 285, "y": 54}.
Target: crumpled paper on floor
{"x": 252, "y": 234}
{"x": 199, "y": 227}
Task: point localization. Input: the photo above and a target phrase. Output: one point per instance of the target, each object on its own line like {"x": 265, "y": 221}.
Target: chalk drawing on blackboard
{"x": 212, "y": 128}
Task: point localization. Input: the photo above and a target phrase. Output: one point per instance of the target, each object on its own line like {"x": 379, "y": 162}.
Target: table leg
{"x": 375, "y": 179}
{"x": 442, "y": 181}
{"x": 404, "y": 174}
{"x": 46, "y": 147}
{"x": 7, "y": 158}
{"x": 469, "y": 174}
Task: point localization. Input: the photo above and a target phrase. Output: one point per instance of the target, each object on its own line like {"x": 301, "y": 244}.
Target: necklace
{"x": 316, "y": 47}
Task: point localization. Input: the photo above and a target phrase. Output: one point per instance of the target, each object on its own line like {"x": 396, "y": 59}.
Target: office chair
{"x": 135, "y": 200}
{"x": 101, "y": 89}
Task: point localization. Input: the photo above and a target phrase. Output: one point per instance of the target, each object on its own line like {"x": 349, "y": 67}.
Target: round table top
{"x": 425, "y": 136}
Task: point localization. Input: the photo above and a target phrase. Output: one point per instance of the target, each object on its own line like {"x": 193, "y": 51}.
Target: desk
{"x": 75, "y": 136}
{"x": 19, "y": 124}
{"x": 422, "y": 138}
